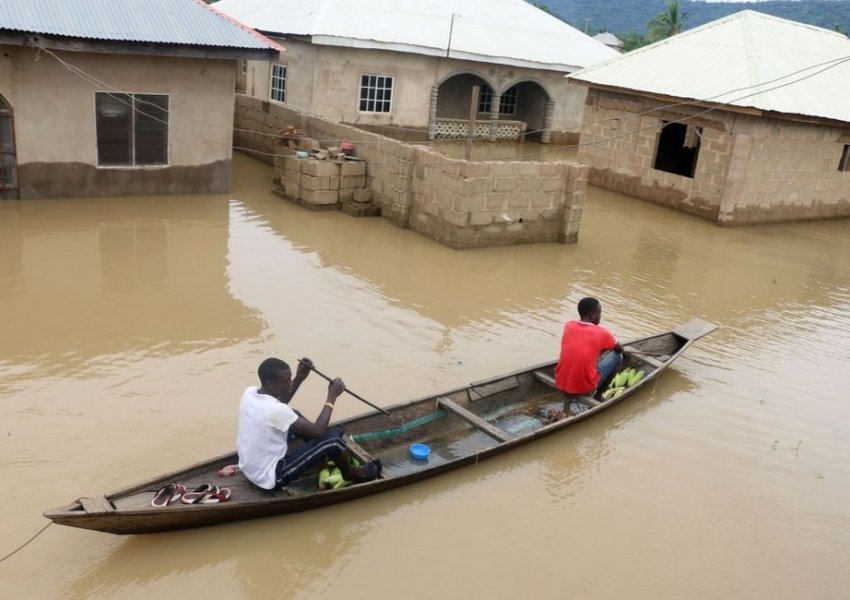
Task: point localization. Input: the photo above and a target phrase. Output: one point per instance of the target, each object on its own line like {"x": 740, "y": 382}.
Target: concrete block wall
{"x": 786, "y": 171}
{"x": 750, "y": 169}
{"x": 619, "y": 142}
{"x": 460, "y": 203}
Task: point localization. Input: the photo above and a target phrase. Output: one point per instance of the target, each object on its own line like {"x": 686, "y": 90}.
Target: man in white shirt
{"x": 267, "y": 425}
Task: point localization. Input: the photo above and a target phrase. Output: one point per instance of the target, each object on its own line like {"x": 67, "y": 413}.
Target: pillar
{"x": 547, "y": 122}
{"x": 495, "y": 105}
{"x": 432, "y": 113}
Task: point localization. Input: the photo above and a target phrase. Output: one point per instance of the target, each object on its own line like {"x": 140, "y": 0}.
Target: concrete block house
{"x": 118, "y": 97}
{"x": 408, "y": 67}
{"x": 743, "y": 120}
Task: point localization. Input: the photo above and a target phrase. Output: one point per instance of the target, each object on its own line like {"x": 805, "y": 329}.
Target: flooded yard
{"x": 131, "y": 326}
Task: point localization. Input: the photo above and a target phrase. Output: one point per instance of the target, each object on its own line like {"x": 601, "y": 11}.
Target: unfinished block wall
{"x": 460, "y": 203}
{"x": 750, "y": 169}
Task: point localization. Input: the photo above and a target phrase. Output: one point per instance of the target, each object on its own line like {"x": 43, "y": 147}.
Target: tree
{"x": 666, "y": 24}
{"x": 632, "y": 41}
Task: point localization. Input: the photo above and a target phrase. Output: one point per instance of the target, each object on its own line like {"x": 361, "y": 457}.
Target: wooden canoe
{"x": 461, "y": 426}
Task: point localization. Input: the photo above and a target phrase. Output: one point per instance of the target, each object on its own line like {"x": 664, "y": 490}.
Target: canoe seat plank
{"x": 358, "y": 451}
{"x": 584, "y": 398}
{"x": 485, "y": 389}
{"x": 545, "y": 378}
{"x": 650, "y": 360}
{"x": 550, "y": 381}
{"x": 474, "y": 419}
{"x": 98, "y": 505}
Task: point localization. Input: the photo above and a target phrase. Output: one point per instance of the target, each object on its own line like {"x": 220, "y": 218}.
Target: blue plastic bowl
{"x": 419, "y": 451}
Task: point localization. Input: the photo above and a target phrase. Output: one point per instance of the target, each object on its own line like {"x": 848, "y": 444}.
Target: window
{"x": 844, "y": 165}
{"x": 132, "y": 129}
{"x": 277, "y": 89}
{"x": 678, "y": 148}
{"x": 376, "y": 93}
{"x": 8, "y": 167}
{"x": 507, "y": 106}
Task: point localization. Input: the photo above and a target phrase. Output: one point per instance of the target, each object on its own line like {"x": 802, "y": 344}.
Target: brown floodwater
{"x": 130, "y": 326}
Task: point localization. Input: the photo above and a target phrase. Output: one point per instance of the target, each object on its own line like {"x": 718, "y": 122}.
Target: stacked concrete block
{"x": 292, "y": 177}
{"x": 352, "y": 177}
{"x": 320, "y": 182}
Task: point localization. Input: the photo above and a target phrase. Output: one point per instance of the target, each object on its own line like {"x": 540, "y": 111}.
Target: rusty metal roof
{"x": 181, "y": 22}
{"x": 747, "y": 59}
{"x": 509, "y": 32}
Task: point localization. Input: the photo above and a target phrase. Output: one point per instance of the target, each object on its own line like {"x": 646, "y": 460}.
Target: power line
{"x": 827, "y": 65}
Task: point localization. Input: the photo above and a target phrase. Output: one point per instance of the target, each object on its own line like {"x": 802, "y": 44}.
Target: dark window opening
{"x": 8, "y": 161}
{"x": 132, "y": 129}
{"x": 844, "y": 165}
{"x": 678, "y": 148}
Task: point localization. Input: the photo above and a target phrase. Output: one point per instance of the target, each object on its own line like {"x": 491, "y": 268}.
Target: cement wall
{"x": 54, "y": 112}
{"x": 460, "y": 203}
{"x": 325, "y": 80}
{"x": 750, "y": 169}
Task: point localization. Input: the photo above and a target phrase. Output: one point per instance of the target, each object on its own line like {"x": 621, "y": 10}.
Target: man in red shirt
{"x": 589, "y": 353}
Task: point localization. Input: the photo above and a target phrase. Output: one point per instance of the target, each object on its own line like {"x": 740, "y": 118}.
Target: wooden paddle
{"x": 362, "y": 399}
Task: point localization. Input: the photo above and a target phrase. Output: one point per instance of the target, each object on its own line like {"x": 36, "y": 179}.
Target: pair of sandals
{"x": 203, "y": 494}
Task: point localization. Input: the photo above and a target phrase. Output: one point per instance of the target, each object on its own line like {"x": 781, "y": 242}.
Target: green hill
{"x": 630, "y": 16}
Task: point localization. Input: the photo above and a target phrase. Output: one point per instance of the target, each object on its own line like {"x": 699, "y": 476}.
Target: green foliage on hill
{"x": 623, "y": 17}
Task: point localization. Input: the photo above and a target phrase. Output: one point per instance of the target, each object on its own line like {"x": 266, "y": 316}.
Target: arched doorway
{"x": 450, "y": 105}
{"x": 528, "y": 102}
{"x": 8, "y": 162}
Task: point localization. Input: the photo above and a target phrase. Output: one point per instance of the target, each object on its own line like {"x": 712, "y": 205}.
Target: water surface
{"x": 130, "y": 326}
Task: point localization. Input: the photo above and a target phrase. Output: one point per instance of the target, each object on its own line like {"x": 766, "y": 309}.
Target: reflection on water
{"x": 129, "y": 328}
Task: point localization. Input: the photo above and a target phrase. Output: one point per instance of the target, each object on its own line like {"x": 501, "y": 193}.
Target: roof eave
{"x": 346, "y": 42}
{"x": 716, "y": 106}
{"x": 75, "y": 44}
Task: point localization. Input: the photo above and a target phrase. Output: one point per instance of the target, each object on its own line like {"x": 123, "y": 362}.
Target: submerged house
{"x": 743, "y": 120}
{"x": 408, "y": 67}
{"x": 118, "y": 97}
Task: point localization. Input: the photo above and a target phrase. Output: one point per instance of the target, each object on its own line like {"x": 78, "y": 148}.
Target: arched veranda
{"x": 523, "y": 110}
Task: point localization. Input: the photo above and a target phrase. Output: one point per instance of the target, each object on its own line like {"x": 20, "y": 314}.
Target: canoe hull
{"x": 484, "y": 415}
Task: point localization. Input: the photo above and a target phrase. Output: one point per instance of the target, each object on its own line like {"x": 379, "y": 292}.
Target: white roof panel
{"x": 495, "y": 31}
{"x": 747, "y": 59}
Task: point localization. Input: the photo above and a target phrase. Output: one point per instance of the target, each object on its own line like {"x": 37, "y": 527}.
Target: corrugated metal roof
{"x": 185, "y": 22}
{"x": 747, "y": 59}
{"x": 494, "y": 31}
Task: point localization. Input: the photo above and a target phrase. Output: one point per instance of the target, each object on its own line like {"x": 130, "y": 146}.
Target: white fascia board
{"x": 327, "y": 40}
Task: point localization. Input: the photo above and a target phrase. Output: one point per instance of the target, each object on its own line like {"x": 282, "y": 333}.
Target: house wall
{"x": 462, "y": 204}
{"x": 750, "y": 169}
{"x": 785, "y": 171}
{"x": 54, "y": 113}
{"x": 325, "y": 80}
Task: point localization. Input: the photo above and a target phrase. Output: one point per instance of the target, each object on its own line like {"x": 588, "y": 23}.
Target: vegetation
{"x": 666, "y": 24}
{"x": 629, "y": 19}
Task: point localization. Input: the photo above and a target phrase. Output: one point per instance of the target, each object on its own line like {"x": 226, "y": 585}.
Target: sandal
{"x": 167, "y": 494}
{"x": 206, "y": 494}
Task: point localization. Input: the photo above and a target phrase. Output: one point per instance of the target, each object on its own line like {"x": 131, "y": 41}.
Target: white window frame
{"x": 485, "y": 100}
{"x": 277, "y": 83}
{"x": 380, "y": 86}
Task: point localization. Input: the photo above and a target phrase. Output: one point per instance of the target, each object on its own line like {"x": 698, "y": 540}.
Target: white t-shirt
{"x": 264, "y": 422}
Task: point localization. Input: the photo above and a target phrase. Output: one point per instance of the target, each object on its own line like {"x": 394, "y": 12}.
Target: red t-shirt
{"x": 581, "y": 345}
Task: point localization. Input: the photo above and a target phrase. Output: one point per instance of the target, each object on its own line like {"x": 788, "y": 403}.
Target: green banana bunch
{"x": 330, "y": 478}
{"x": 626, "y": 378}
